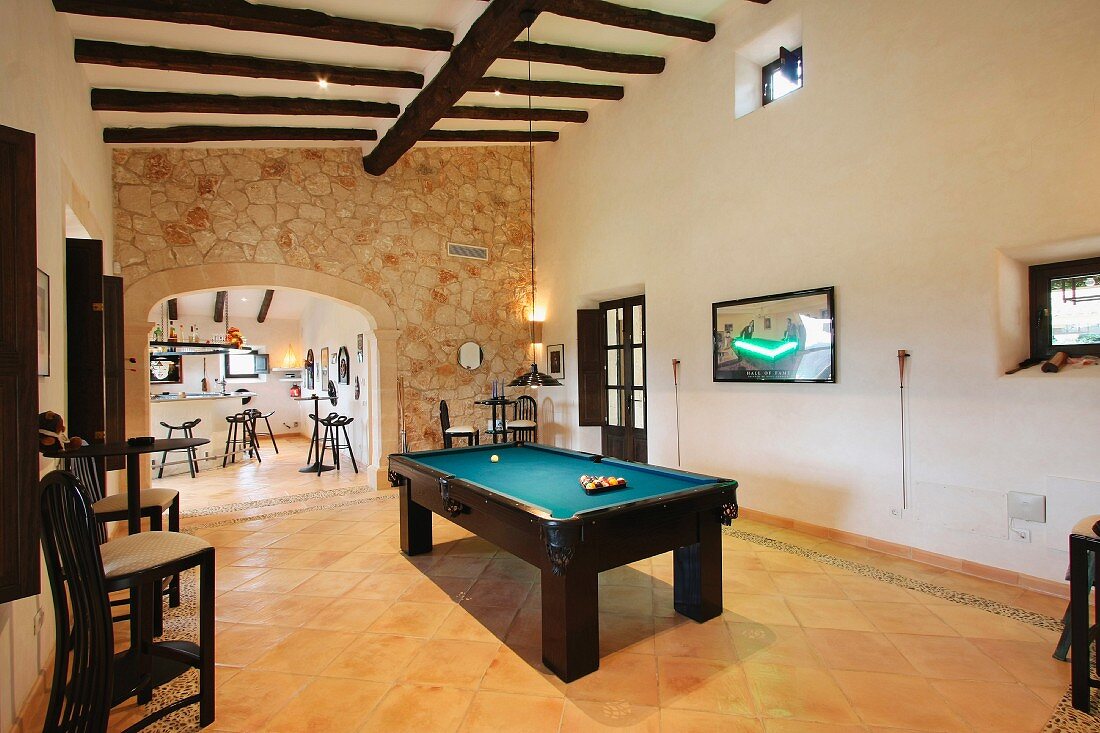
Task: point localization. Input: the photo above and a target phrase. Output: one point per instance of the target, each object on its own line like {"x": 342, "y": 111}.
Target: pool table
{"x": 530, "y": 504}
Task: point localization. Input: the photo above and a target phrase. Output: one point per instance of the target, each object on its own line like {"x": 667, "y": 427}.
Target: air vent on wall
{"x": 468, "y": 251}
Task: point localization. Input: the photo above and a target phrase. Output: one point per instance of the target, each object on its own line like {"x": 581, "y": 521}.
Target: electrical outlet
{"x": 1021, "y": 535}
{"x": 295, "y": 423}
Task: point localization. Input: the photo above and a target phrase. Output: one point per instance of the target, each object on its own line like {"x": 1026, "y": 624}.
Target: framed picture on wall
{"x": 307, "y": 369}
{"x": 165, "y": 369}
{"x": 359, "y": 348}
{"x": 343, "y": 366}
{"x": 43, "y": 309}
{"x": 555, "y": 361}
{"x": 788, "y": 337}
{"x": 323, "y": 376}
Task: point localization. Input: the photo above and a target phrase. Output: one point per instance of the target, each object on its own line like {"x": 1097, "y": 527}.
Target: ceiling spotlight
{"x": 323, "y": 83}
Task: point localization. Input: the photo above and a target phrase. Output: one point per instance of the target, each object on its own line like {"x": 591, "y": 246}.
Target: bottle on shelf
{"x": 172, "y": 336}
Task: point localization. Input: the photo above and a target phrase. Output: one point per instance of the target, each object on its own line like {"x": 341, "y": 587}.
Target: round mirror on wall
{"x": 469, "y": 355}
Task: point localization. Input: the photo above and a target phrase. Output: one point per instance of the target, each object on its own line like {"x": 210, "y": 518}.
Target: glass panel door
{"x": 625, "y": 379}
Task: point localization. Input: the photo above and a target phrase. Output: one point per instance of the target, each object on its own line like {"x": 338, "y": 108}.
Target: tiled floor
{"x": 324, "y": 626}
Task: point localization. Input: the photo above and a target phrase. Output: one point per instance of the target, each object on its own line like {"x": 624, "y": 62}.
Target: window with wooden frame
{"x": 782, "y": 76}
{"x": 1065, "y": 308}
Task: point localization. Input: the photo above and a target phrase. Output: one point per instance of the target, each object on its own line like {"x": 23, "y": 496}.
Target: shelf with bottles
{"x": 194, "y": 348}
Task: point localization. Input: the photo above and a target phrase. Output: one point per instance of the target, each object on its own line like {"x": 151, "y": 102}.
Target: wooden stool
{"x": 192, "y": 458}
{"x": 244, "y": 438}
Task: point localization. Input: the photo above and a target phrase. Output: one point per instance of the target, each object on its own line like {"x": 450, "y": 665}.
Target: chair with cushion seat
{"x": 525, "y": 421}
{"x": 187, "y": 428}
{"x": 88, "y": 678}
{"x": 1078, "y": 634}
{"x": 112, "y": 508}
{"x": 469, "y": 432}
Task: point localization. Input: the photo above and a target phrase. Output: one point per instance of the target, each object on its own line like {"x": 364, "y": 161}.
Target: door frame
{"x": 632, "y": 439}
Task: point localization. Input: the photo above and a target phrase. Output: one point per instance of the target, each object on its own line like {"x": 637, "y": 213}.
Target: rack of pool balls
{"x": 592, "y": 484}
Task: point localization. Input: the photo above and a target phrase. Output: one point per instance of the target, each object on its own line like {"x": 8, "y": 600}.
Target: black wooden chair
{"x": 469, "y": 432}
{"x": 524, "y": 424}
{"x": 154, "y": 503}
{"x": 187, "y": 428}
{"x": 240, "y": 438}
{"x": 256, "y": 416}
{"x": 88, "y": 679}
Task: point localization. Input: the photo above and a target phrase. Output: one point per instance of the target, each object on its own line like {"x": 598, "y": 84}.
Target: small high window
{"x": 1065, "y": 308}
{"x": 782, "y": 76}
{"x": 245, "y": 366}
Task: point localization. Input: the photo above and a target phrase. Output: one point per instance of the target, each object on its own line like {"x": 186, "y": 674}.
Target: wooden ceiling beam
{"x": 106, "y": 53}
{"x": 539, "y": 88}
{"x": 126, "y": 100}
{"x": 487, "y": 38}
{"x": 219, "y": 305}
{"x": 586, "y": 58}
{"x": 637, "y": 19}
{"x": 217, "y": 133}
{"x": 517, "y": 113}
{"x": 173, "y": 309}
{"x": 265, "y": 306}
{"x": 489, "y": 136}
{"x": 240, "y": 15}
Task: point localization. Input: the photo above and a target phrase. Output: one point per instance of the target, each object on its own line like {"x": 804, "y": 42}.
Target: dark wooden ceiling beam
{"x": 539, "y": 88}
{"x": 489, "y": 136}
{"x": 265, "y": 306}
{"x": 219, "y": 305}
{"x": 636, "y": 19}
{"x": 217, "y": 133}
{"x": 487, "y": 38}
{"x": 173, "y": 309}
{"x": 536, "y": 114}
{"x": 126, "y": 100}
{"x": 106, "y": 53}
{"x": 586, "y": 58}
{"x": 240, "y": 15}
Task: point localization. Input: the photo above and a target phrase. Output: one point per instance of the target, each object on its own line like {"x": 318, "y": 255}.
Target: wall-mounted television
{"x": 787, "y": 337}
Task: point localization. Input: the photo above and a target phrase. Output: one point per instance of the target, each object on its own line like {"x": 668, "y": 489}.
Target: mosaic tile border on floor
{"x": 180, "y": 622}
{"x": 273, "y": 501}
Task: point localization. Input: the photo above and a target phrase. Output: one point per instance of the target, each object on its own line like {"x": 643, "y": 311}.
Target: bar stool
{"x": 469, "y": 432}
{"x": 192, "y": 457}
{"x": 525, "y": 419}
{"x": 240, "y": 434}
{"x": 334, "y": 424}
{"x": 88, "y": 679}
{"x": 256, "y": 415}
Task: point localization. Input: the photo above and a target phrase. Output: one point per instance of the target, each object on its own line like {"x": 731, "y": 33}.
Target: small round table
{"x": 133, "y": 466}
{"x": 315, "y": 442}
{"x": 495, "y": 403}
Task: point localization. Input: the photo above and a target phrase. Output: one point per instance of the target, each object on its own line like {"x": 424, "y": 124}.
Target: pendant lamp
{"x": 533, "y": 378}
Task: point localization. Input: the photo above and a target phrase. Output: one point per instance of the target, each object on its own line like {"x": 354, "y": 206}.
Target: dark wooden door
{"x": 624, "y": 380}
{"x": 87, "y": 413}
{"x": 114, "y": 368}
{"x": 19, "y": 552}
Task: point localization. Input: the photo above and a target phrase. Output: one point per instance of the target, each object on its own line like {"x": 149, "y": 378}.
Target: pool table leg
{"x": 697, "y": 573}
{"x": 416, "y": 524}
{"x": 571, "y": 620}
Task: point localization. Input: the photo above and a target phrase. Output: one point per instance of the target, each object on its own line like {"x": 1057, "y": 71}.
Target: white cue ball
{"x": 494, "y": 458}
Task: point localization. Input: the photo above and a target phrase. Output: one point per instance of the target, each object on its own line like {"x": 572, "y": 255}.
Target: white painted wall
{"x": 331, "y": 324}
{"x": 934, "y": 142}
{"x": 44, "y": 92}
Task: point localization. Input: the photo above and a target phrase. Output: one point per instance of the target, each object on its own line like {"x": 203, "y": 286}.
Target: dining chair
{"x": 524, "y": 424}
{"x": 469, "y": 432}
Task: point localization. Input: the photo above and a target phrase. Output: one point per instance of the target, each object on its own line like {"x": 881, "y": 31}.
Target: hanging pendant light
{"x": 533, "y": 378}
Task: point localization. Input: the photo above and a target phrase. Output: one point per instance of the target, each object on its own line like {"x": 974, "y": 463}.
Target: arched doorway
{"x": 143, "y": 295}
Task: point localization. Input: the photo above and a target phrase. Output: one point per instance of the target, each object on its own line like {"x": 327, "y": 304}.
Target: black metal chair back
{"x": 80, "y": 699}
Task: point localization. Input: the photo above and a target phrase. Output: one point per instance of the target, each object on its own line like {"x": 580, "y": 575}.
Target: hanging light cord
{"x": 531, "y": 169}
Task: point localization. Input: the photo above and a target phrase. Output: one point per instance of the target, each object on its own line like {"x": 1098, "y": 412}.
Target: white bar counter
{"x": 211, "y": 408}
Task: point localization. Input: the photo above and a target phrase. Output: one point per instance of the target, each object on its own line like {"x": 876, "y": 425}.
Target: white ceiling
{"x": 453, "y": 15}
{"x": 244, "y": 303}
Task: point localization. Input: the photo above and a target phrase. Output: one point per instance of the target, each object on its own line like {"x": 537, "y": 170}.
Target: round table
{"x": 133, "y": 466}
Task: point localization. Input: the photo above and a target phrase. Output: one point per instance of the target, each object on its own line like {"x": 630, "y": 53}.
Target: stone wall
{"x": 318, "y": 210}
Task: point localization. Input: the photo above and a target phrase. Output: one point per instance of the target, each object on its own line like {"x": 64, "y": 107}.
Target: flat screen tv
{"x": 788, "y": 337}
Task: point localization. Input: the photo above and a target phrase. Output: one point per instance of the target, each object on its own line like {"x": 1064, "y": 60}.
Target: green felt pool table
{"x": 531, "y": 504}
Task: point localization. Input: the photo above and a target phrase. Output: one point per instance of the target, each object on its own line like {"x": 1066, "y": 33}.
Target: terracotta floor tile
{"x": 277, "y": 580}
{"x": 451, "y": 662}
{"x": 268, "y": 557}
{"x": 476, "y": 623}
{"x": 305, "y": 651}
{"x": 459, "y": 567}
{"x": 626, "y": 634}
{"x": 232, "y": 576}
{"x": 812, "y": 585}
{"x": 621, "y": 676}
{"x": 497, "y": 712}
{"x": 786, "y": 725}
{"x": 752, "y": 582}
{"x": 785, "y": 645}
{"x": 246, "y": 702}
{"x": 588, "y": 716}
{"x": 706, "y": 685}
{"x": 762, "y": 609}
{"x": 904, "y": 618}
{"x": 798, "y": 692}
{"x": 353, "y": 615}
{"x": 695, "y": 721}
{"x": 899, "y": 701}
{"x": 827, "y": 613}
{"x": 375, "y": 657}
{"x": 501, "y": 593}
{"x": 443, "y": 589}
{"x": 859, "y": 588}
{"x": 411, "y": 619}
{"x": 1029, "y": 662}
{"x": 313, "y": 559}
{"x": 710, "y": 640}
{"x": 995, "y": 707}
{"x": 240, "y": 644}
{"x": 329, "y": 705}
{"x": 521, "y": 671}
{"x": 626, "y": 600}
{"x": 382, "y": 586}
{"x": 978, "y": 623}
{"x": 417, "y": 709}
{"x": 948, "y": 657}
{"x": 785, "y": 562}
{"x": 861, "y": 650}
{"x": 330, "y": 584}
{"x": 292, "y": 610}
{"x": 359, "y": 562}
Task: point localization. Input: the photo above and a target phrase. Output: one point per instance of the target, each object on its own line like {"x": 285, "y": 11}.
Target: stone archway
{"x": 141, "y": 296}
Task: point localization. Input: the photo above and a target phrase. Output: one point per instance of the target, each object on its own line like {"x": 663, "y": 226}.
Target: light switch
{"x": 1028, "y": 507}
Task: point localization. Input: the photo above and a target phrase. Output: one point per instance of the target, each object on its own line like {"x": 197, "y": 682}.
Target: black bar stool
{"x": 334, "y": 424}
{"x": 240, "y": 434}
{"x": 256, "y": 416}
{"x": 192, "y": 457}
